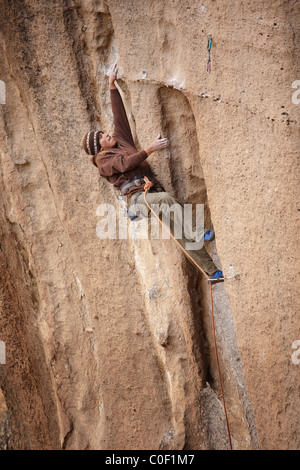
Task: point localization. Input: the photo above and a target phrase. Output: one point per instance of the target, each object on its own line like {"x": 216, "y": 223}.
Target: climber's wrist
{"x": 149, "y": 150}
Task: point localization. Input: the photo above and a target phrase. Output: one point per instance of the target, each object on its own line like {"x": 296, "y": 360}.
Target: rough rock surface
{"x": 109, "y": 342}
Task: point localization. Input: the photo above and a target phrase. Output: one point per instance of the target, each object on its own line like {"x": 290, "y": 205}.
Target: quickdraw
{"x": 208, "y": 66}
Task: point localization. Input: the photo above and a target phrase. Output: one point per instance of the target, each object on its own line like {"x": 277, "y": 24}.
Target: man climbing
{"x": 120, "y": 163}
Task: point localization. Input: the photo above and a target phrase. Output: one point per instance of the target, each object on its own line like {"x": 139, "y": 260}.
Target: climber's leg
{"x": 201, "y": 257}
{"x": 171, "y": 209}
{"x": 164, "y": 201}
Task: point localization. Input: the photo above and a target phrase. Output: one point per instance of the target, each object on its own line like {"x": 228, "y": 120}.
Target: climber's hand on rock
{"x": 158, "y": 144}
{"x": 113, "y": 73}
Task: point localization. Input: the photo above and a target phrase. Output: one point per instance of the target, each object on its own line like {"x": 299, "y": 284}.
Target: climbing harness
{"x": 208, "y": 66}
{"x": 135, "y": 214}
{"x": 122, "y": 199}
{"x": 147, "y": 187}
{"x": 136, "y": 181}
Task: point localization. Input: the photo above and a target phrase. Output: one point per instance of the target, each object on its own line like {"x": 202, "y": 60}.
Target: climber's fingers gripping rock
{"x": 160, "y": 143}
{"x": 113, "y": 73}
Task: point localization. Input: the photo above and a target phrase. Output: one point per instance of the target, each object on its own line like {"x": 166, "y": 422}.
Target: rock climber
{"x": 120, "y": 163}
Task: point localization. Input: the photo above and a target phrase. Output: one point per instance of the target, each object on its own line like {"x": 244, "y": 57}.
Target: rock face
{"x": 109, "y": 341}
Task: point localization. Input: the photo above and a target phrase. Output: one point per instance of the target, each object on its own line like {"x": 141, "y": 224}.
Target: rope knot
{"x": 148, "y": 184}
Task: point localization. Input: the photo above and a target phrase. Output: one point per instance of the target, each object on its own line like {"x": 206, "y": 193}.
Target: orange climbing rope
{"x": 147, "y": 187}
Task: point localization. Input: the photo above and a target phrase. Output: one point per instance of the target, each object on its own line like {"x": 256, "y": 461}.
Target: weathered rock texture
{"x": 109, "y": 342}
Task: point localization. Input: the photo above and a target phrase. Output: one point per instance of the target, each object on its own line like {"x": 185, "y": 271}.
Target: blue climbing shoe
{"x": 218, "y": 276}
{"x": 209, "y": 236}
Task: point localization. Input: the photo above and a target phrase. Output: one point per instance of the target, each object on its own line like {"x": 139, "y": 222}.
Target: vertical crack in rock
{"x": 188, "y": 182}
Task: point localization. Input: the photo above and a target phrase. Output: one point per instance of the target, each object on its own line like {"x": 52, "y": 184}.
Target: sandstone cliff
{"x": 109, "y": 342}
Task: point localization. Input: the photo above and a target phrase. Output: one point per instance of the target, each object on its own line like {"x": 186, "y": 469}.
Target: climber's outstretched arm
{"x": 121, "y": 125}
{"x": 122, "y": 131}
